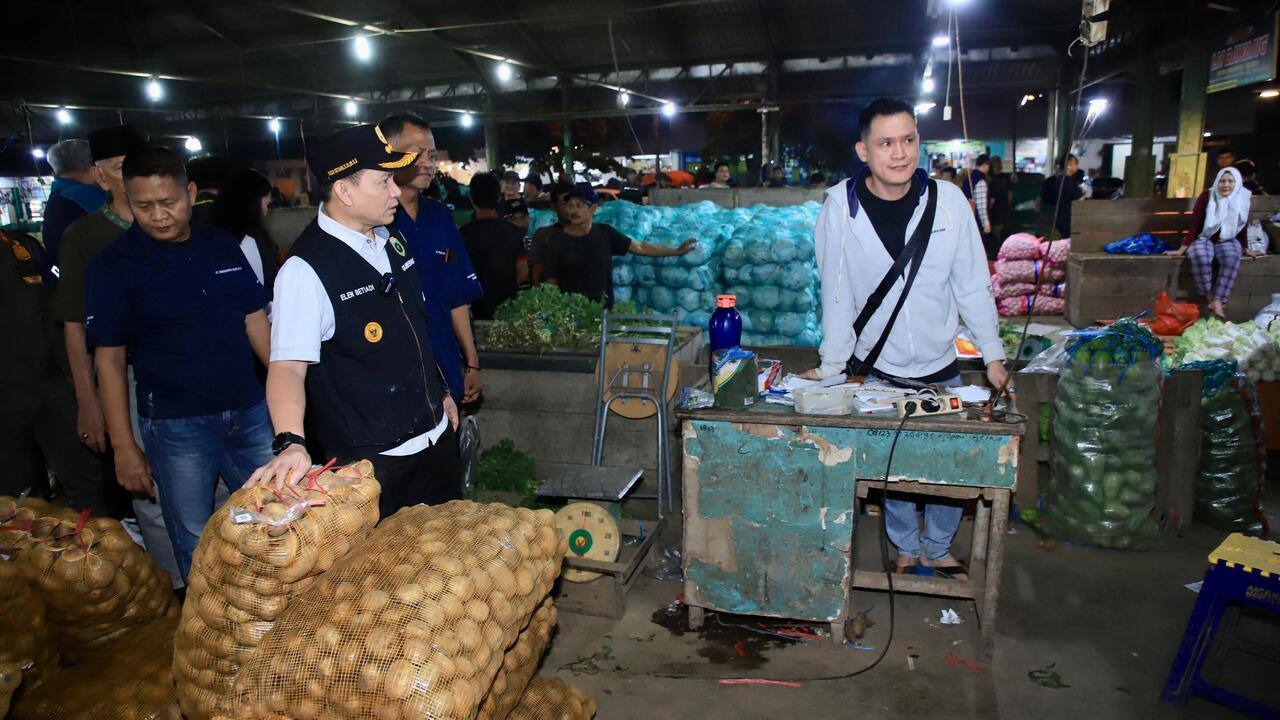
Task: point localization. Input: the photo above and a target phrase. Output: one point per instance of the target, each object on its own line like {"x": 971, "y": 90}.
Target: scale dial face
{"x": 590, "y": 532}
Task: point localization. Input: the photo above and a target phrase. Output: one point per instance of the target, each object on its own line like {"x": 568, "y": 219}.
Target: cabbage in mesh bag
{"x": 1229, "y": 483}
{"x": 1103, "y": 484}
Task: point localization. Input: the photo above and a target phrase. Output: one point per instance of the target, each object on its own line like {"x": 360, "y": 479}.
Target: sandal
{"x": 950, "y": 571}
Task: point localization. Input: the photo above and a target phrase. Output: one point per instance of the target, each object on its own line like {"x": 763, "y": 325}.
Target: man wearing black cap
{"x": 82, "y": 241}
{"x": 349, "y": 346}
{"x": 515, "y": 212}
{"x": 579, "y": 256}
{"x": 533, "y": 187}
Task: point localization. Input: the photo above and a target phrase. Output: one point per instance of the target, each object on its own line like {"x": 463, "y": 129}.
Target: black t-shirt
{"x": 889, "y": 217}
{"x": 584, "y": 264}
{"x": 998, "y": 187}
{"x": 494, "y": 246}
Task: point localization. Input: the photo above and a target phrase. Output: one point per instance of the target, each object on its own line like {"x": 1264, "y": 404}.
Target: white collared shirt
{"x": 303, "y": 314}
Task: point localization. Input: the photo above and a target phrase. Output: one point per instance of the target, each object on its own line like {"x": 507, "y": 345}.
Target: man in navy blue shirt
{"x": 182, "y": 302}
{"x": 444, "y": 267}
{"x": 73, "y": 194}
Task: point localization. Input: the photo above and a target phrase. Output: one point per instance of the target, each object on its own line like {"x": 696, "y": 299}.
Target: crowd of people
{"x": 169, "y": 353}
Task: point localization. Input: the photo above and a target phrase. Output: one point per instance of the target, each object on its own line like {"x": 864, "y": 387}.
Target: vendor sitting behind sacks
{"x": 579, "y": 255}
{"x": 1219, "y": 220}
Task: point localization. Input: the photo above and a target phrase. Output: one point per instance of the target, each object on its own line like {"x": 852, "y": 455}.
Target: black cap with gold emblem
{"x": 349, "y": 151}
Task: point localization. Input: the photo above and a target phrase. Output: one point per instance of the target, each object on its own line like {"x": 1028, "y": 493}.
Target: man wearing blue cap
{"x": 579, "y": 256}
{"x": 350, "y": 348}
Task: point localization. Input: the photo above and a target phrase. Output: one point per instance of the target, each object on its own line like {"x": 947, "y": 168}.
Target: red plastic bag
{"x": 1171, "y": 317}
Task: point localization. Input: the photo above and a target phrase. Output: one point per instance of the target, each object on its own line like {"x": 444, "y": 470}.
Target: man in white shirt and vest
{"x": 870, "y": 257}
{"x": 350, "y": 349}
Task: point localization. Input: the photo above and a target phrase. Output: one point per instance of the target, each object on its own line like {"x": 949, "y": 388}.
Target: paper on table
{"x": 971, "y": 393}
{"x": 793, "y": 381}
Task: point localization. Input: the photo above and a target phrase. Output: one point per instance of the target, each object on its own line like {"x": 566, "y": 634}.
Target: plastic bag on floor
{"x": 1232, "y": 451}
{"x": 1104, "y": 434}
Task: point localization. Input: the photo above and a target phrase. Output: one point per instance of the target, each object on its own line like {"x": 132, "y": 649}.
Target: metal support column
{"x": 1187, "y": 170}
{"x": 1140, "y": 169}
{"x": 491, "y": 150}
{"x": 566, "y": 103}
{"x": 1052, "y": 98}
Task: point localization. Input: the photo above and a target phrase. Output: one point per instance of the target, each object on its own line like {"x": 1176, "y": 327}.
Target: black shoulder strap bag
{"x": 914, "y": 250}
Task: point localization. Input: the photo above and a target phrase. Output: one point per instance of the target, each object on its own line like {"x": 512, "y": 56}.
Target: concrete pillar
{"x": 1195, "y": 80}
{"x": 1140, "y": 169}
{"x": 566, "y": 104}
{"x": 491, "y": 150}
{"x": 1051, "y": 104}
{"x": 765, "y": 155}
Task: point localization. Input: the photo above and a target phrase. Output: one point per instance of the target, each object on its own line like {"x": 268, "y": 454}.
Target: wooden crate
{"x": 1269, "y": 397}
{"x": 1100, "y": 285}
{"x": 1177, "y": 444}
{"x": 1095, "y": 223}
{"x": 606, "y": 596}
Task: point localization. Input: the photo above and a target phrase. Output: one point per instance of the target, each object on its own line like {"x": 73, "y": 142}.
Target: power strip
{"x": 927, "y": 402}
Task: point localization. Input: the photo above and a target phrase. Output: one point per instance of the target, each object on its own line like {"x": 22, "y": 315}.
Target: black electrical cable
{"x": 888, "y": 573}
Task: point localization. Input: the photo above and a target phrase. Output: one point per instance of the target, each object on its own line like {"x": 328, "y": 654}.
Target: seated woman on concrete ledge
{"x": 1218, "y": 224}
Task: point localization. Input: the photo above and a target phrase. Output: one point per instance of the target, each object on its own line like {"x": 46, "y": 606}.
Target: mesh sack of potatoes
{"x": 96, "y": 582}
{"x": 550, "y": 698}
{"x": 132, "y": 679}
{"x": 10, "y": 679}
{"x": 21, "y": 517}
{"x": 412, "y": 624}
{"x": 24, "y": 632}
{"x": 519, "y": 665}
{"x": 262, "y": 548}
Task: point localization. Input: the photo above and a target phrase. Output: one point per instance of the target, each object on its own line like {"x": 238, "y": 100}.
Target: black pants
{"x": 38, "y": 427}
{"x": 431, "y": 476}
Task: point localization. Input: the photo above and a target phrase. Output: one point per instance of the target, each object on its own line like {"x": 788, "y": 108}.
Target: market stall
{"x": 770, "y": 505}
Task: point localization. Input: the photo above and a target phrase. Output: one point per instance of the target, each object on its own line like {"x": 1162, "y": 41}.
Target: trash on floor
{"x": 953, "y": 660}
{"x": 1047, "y": 677}
{"x": 758, "y": 681}
{"x": 949, "y": 617}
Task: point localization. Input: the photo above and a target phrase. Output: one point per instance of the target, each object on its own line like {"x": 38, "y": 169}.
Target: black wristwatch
{"x": 284, "y": 440}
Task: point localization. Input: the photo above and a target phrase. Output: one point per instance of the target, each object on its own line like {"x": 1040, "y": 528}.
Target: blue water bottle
{"x": 725, "y": 329}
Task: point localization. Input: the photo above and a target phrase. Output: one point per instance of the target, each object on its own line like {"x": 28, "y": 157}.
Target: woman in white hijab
{"x": 1221, "y": 215}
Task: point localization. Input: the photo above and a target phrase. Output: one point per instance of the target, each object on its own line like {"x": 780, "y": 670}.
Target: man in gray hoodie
{"x": 866, "y": 223}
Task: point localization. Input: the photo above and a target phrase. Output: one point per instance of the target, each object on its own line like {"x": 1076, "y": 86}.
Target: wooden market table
{"x": 771, "y": 501}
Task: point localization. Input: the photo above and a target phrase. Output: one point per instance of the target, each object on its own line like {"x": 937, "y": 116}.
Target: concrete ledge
{"x": 1101, "y": 285}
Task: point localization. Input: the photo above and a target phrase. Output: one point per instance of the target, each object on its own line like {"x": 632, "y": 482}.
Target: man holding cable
{"x": 902, "y": 262}
{"x": 349, "y": 344}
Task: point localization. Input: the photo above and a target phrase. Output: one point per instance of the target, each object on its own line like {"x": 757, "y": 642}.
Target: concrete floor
{"x": 1109, "y": 622}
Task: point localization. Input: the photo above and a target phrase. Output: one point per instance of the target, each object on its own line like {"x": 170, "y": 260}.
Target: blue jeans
{"x": 187, "y": 455}
{"x": 902, "y": 521}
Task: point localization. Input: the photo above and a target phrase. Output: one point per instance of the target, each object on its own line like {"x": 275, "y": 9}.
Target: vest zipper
{"x": 417, "y": 345}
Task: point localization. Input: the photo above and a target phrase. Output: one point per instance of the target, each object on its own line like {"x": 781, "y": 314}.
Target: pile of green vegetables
{"x": 1104, "y": 429}
{"x": 1232, "y": 455}
{"x": 544, "y": 318}
{"x": 504, "y": 469}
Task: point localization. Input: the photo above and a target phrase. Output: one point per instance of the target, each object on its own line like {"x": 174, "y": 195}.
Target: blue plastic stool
{"x": 1245, "y": 571}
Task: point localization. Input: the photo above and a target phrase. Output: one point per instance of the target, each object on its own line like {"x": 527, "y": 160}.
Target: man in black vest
{"x": 350, "y": 348}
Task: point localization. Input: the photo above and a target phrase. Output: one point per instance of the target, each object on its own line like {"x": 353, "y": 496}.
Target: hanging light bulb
{"x": 154, "y": 90}
{"x": 927, "y": 85}
{"x": 668, "y": 108}
{"x": 467, "y": 120}
{"x": 350, "y": 108}
{"x": 64, "y": 117}
{"x": 274, "y": 125}
{"x": 37, "y": 153}
{"x": 504, "y": 72}
{"x": 193, "y": 144}
{"x": 624, "y": 98}
{"x": 362, "y": 48}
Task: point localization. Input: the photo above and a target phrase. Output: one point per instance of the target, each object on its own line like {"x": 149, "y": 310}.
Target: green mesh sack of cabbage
{"x": 1104, "y": 438}
{"x": 1232, "y": 451}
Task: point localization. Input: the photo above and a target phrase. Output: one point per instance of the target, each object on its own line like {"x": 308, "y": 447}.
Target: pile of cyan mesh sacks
{"x": 762, "y": 254}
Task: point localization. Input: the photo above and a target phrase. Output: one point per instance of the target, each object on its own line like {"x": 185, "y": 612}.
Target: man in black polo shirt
{"x": 181, "y": 301}
{"x": 579, "y": 256}
{"x": 350, "y": 344}
{"x": 496, "y": 248}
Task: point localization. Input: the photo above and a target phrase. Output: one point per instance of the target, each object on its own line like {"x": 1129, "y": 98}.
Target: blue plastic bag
{"x": 1141, "y": 244}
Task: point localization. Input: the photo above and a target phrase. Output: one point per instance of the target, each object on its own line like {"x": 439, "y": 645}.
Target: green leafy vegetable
{"x": 544, "y": 318}
{"x": 503, "y": 468}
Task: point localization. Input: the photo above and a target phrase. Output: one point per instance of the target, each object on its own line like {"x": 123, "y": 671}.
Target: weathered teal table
{"x": 771, "y": 503}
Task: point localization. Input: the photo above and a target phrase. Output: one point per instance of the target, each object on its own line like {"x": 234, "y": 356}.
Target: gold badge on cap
{"x": 373, "y": 332}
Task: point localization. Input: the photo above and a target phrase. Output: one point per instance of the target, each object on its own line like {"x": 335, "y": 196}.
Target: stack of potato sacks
{"x": 79, "y": 590}
{"x": 441, "y": 613}
{"x": 264, "y": 548}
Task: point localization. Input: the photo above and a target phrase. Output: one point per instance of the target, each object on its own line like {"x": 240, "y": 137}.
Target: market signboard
{"x": 1245, "y": 56}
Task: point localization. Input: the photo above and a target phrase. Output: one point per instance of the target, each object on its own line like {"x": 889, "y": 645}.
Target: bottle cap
{"x": 726, "y": 301}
